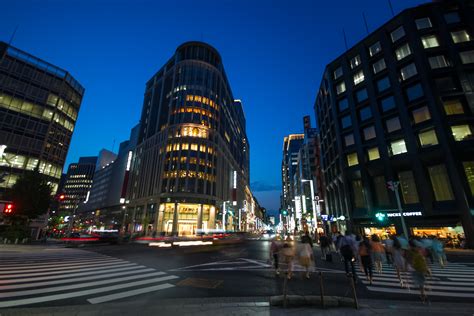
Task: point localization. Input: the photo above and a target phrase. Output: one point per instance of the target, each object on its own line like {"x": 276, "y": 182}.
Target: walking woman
{"x": 365, "y": 254}
{"x": 419, "y": 266}
{"x": 398, "y": 259}
{"x": 378, "y": 252}
{"x": 306, "y": 257}
{"x": 274, "y": 253}
{"x": 288, "y": 254}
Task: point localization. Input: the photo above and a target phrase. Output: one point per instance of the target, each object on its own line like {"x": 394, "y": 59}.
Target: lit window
{"x": 346, "y": 121}
{"x": 361, "y": 95}
{"x": 428, "y": 138}
{"x": 469, "y": 170}
{"x": 408, "y": 187}
{"x": 393, "y": 124}
{"x": 452, "y": 17}
{"x": 387, "y": 103}
{"x": 365, "y": 113}
{"x": 423, "y": 23}
{"x": 340, "y": 87}
{"x": 461, "y": 132}
{"x": 414, "y": 92}
{"x": 375, "y": 49}
{"x": 398, "y": 147}
{"x": 337, "y": 72}
{"x": 422, "y": 114}
{"x": 440, "y": 183}
{"x": 397, "y": 34}
{"x": 358, "y": 77}
{"x": 352, "y": 159}
{"x": 403, "y": 51}
{"x": 467, "y": 57}
{"x": 194, "y": 147}
{"x": 430, "y": 41}
{"x": 460, "y": 36}
{"x": 383, "y": 84}
{"x": 373, "y": 153}
{"x": 355, "y": 62}
{"x": 453, "y": 107}
{"x": 343, "y": 104}
{"x": 408, "y": 71}
{"x": 184, "y": 146}
{"x": 369, "y": 132}
{"x": 438, "y": 62}
{"x": 349, "y": 139}
{"x": 379, "y": 66}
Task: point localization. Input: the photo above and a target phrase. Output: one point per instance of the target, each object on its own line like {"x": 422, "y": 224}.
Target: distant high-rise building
{"x": 398, "y": 106}
{"x": 190, "y": 169}
{"x": 39, "y": 105}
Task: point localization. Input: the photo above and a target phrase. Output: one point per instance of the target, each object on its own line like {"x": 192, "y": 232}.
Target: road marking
{"x": 58, "y": 266}
{"x": 416, "y": 292}
{"x": 67, "y": 275}
{"x": 69, "y": 280}
{"x": 431, "y": 286}
{"x": 56, "y": 297}
{"x": 80, "y": 285}
{"x": 256, "y": 262}
{"x": 113, "y": 297}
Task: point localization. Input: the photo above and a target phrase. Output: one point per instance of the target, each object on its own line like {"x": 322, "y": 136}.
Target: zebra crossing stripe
{"x": 112, "y": 297}
{"x": 415, "y": 292}
{"x": 431, "y": 286}
{"x": 48, "y": 298}
{"x": 57, "y": 266}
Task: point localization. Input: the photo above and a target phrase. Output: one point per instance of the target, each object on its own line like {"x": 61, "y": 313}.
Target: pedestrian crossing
{"x": 46, "y": 276}
{"x": 455, "y": 280}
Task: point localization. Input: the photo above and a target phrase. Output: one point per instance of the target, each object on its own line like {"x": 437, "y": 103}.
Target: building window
{"x": 343, "y": 104}
{"x": 461, "y": 132}
{"x": 423, "y": 23}
{"x": 349, "y": 140}
{"x": 438, "y": 62}
{"x": 340, "y": 87}
{"x": 355, "y": 62}
{"x": 369, "y": 133}
{"x": 460, "y": 36}
{"x": 359, "y": 200}
{"x": 352, "y": 159}
{"x": 381, "y": 191}
{"x": 403, "y": 51}
{"x": 397, "y": 34}
{"x": 383, "y": 84}
{"x": 379, "y": 66}
{"x": 408, "y": 71}
{"x": 422, "y": 114}
{"x": 361, "y": 95}
{"x": 387, "y": 103}
{"x": 445, "y": 84}
{"x": 467, "y": 57}
{"x": 358, "y": 77}
{"x": 428, "y": 138}
{"x": 440, "y": 183}
{"x": 469, "y": 170}
{"x": 414, "y": 92}
{"x": 430, "y": 41}
{"x": 375, "y": 49}
{"x": 337, "y": 73}
{"x": 373, "y": 153}
{"x": 408, "y": 187}
{"x": 398, "y": 147}
{"x": 393, "y": 124}
{"x": 346, "y": 121}
{"x": 453, "y": 107}
{"x": 452, "y": 17}
{"x": 365, "y": 113}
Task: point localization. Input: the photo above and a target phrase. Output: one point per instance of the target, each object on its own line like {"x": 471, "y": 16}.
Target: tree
{"x": 31, "y": 195}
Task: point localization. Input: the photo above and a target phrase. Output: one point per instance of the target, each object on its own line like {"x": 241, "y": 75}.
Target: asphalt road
{"x": 55, "y": 276}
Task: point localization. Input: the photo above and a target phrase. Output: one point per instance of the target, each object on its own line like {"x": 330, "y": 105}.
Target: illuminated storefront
{"x": 187, "y": 223}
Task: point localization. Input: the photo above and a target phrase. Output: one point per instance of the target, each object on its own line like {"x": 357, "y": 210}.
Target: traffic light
{"x": 284, "y": 212}
{"x": 380, "y": 217}
{"x": 8, "y": 209}
{"x": 61, "y": 197}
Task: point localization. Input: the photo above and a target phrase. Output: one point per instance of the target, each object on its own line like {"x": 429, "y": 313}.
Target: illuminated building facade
{"x": 191, "y": 165}
{"x": 398, "y": 106}
{"x": 39, "y": 104}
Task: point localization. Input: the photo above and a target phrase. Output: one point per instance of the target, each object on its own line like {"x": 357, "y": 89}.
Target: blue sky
{"x": 274, "y": 53}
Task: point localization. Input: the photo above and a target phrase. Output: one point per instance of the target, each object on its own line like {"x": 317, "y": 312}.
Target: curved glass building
{"x": 190, "y": 170}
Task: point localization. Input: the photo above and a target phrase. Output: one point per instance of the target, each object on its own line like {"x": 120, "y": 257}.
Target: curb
{"x": 311, "y": 300}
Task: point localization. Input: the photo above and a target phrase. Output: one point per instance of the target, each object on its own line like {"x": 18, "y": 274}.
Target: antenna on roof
{"x": 365, "y": 22}
{"x": 13, "y": 35}
{"x": 345, "y": 38}
{"x": 391, "y": 7}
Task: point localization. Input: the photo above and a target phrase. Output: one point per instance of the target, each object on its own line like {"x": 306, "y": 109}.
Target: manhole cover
{"x": 202, "y": 283}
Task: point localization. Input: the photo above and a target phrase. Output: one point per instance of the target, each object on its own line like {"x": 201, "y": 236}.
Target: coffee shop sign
{"x": 408, "y": 214}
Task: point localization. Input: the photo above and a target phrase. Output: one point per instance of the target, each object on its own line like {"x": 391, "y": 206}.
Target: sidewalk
{"x": 242, "y": 306}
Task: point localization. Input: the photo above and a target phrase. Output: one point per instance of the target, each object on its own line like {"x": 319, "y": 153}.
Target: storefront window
{"x": 469, "y": 170}
{"x": 440, "y": 183}
{"x": 408, "y": 187}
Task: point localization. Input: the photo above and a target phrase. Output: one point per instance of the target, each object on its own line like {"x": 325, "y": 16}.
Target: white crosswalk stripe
{"x": 32, "y": 278}
{"x": 455, "y": 280}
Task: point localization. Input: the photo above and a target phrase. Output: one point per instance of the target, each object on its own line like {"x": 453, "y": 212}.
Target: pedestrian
{"x": 419, "y": 267}
{"x": 365, "y": 254}
{"x": 378, "y": 251}
{"x": 288, "y": 254}
{"x": 307, "y": 239}
{"x": 324, "y": 243}
{"x": 305, "y": 255}
{"x": 275, "y": 253}
{"x": 347, "y": 248}
{"x": 398, "y": 259}
{"x": 438, "y": 251}
{"x": 388, "y": 244}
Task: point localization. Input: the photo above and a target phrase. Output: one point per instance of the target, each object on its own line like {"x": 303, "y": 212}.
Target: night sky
{"x": 274, "y": 53}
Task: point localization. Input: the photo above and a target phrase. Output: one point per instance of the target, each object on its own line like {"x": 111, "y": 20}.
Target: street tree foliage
{"x": 31, "y": 195}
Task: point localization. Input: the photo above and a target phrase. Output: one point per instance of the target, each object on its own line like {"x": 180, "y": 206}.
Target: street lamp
{"x": 312, "y": 200}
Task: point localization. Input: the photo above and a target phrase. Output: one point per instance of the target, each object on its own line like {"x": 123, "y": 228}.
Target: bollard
{"x": 321, "y": 288}
{"x": 284, "y": 290}
{"x": 356, "y": 303}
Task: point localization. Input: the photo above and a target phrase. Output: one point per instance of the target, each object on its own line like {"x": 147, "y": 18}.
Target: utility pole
{"x": 393, "y": 185}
